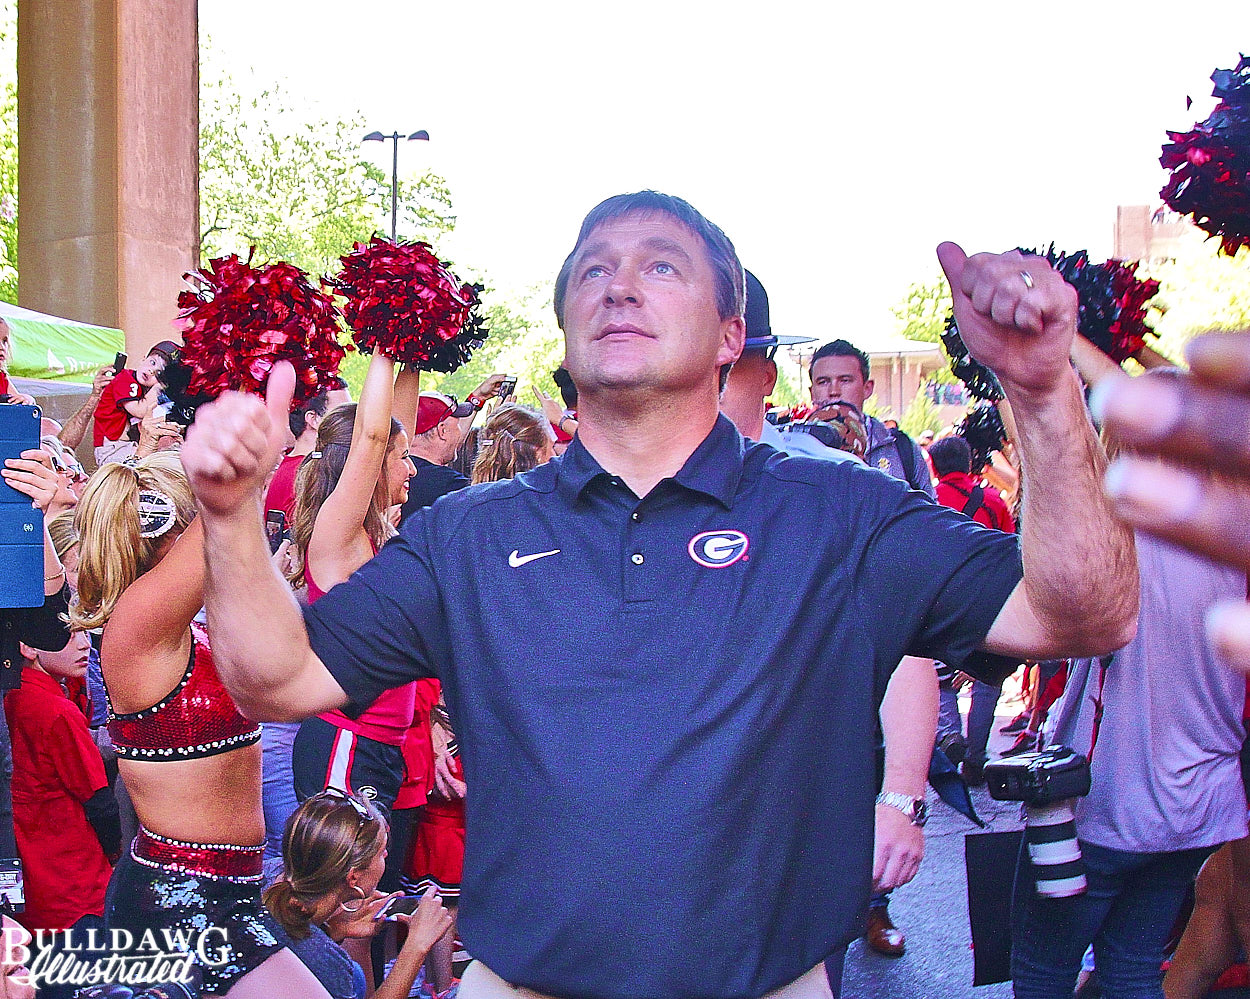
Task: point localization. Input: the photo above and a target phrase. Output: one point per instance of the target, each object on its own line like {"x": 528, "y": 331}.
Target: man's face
{"x": 640, "y": 312}
{"x": 150, "y": 370}
{"x": 454, "y": 433}
{"x": 449, "y": 435}
{"x": 839, "y": 378}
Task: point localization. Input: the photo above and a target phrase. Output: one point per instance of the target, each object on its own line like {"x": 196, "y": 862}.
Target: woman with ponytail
{"x": 343, "y": 492}
{"x": 513, "y": 440}
{"x": 190, "y": 761}
{"x": 334, "y": 851}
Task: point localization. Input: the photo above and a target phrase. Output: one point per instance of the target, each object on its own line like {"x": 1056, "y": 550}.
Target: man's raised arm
{"x": 260, "y": 647}
{"x": 1079, "y": 594}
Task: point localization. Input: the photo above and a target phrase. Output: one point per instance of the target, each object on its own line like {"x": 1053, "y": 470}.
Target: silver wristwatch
{"x": 915, "y": 809}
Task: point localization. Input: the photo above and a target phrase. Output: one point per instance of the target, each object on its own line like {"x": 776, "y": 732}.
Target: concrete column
{"x": 108, "y": 119}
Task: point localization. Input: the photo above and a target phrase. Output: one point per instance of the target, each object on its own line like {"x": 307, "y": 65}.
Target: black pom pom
{"x": 983, "y": 429}
{"x": 981, "y": 381}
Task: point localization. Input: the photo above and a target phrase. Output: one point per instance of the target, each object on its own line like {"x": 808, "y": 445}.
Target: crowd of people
{"x": 637, "y": 690}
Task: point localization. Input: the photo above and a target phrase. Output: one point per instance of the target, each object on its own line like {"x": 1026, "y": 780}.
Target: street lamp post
{"x": 424, "y": 136}
{"x": 801, "y": 356}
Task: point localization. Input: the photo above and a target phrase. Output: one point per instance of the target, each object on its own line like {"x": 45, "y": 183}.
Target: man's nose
{"x": 624, "y": 288}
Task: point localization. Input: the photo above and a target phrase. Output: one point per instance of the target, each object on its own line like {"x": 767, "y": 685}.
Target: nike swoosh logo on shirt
{"x": 516, "y": 559}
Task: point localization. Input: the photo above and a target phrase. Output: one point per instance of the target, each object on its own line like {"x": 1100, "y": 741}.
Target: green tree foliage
{"x": 8, "y": 151}
{"x": 921, "y": 415}
{"x": 922, "y": 311}
{"x": 921, "y": 315}
{"x": 786, "y": 392}
{"x": 1199, "y": 290}
{"x": 524, "y": 341}
{"x": 298, "y": 190}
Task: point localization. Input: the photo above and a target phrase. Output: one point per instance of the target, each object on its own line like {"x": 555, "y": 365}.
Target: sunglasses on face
{"x": 64, "y": 465}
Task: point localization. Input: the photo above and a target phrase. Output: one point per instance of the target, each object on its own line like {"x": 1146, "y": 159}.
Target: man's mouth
{"x": 621, "y": 330}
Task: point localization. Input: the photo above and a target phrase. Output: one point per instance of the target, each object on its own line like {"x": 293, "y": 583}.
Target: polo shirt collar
{"x": 714, "y": 469}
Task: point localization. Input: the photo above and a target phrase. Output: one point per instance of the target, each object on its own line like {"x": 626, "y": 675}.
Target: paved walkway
{"x": 933, "y": 909}
{"x": 933, "y": 912}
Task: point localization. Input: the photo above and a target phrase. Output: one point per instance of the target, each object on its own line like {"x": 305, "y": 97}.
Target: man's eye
{"x": 663, "y": 268}
{"x": 593, "y": 272}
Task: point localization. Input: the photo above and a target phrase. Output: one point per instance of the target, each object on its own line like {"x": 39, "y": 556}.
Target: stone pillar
{"x": 108, "y": 120}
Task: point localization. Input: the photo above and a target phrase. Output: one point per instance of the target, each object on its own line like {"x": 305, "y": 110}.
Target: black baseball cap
{"x": 760, "y": 335}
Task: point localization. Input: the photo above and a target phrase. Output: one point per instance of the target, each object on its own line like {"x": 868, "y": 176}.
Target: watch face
{"x": 920, "y": 812}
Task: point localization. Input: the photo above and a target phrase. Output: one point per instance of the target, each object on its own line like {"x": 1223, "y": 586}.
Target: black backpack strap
{"x": 907, "y": 455}
{"x": 976, "y": 500}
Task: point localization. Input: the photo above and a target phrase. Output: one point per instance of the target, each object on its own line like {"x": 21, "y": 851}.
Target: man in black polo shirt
{"x": 664, "y": 804}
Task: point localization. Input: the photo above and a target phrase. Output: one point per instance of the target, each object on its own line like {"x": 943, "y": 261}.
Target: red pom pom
{"x": 244, "y": 319}
{"x": 405, "y": 303}
{"x": 1210, "y": 164}
{"x": 1129, "y": 330}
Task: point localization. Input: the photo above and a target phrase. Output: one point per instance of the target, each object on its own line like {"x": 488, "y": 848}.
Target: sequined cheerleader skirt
{"x": 205, "y": 893}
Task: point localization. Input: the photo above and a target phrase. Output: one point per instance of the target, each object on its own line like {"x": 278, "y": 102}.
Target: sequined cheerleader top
{"x": 197, "y": 719}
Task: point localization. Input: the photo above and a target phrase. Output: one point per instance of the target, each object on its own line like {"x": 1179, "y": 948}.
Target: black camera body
{"x": 1052, "y": 774}
{"x": 1048, "y": 783}
{"x": 179, "y": 402}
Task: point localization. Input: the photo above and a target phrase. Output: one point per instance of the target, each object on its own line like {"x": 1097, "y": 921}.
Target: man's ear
{"x": 733, "y": 339}
{"x": 770, "y": 377}
{"x": 868, "y": 386}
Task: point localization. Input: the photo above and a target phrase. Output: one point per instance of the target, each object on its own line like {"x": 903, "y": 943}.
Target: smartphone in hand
{"x": 275, "y": 528}
{"x": 404, "y": 905}
{"x": 119, "y": 362}
{"x": 506, "y": 387}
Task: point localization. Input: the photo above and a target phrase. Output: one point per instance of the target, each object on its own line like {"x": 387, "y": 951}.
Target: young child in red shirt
{"x": 124, "y": 402}
{"x": 6, "y": 354}
{"x": 64, "y": 815}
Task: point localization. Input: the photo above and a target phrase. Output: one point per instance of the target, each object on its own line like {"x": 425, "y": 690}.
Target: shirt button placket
{"x": 635, "y": 582}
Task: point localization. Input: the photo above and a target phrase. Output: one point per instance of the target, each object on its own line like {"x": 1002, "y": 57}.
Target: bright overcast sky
{"x": 836, "y": 144}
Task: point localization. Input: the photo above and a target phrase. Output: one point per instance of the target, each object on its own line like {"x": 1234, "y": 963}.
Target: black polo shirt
{"x": 666, "y": 706}
{"x": 429, "y": 483}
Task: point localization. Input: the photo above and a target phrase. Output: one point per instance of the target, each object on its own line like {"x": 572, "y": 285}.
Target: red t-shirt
{"x": 281, "y": 494}
{"x": 4, "y": 383}
{"x": 953, "y": 490}
{"x": 111, "y": 419}
{"x": 419, "y": 749}
{"x": 56, "y": 767}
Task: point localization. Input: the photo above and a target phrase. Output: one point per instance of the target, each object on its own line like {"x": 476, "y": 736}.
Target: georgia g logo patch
{"x": 718, "y": 549}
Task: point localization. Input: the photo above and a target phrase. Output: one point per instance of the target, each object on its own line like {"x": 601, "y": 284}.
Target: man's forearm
{"x": 1080, "y": 565}
{"x": 260, "y": 647}
{"x": 75, "y": 428}
{"x": 908, "y": 723}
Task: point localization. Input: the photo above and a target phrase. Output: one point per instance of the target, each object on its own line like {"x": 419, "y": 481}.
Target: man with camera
{"x": 840, "y": 372}
{"x": 1161, "y": 723}
{"x": 668, "y": 804}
